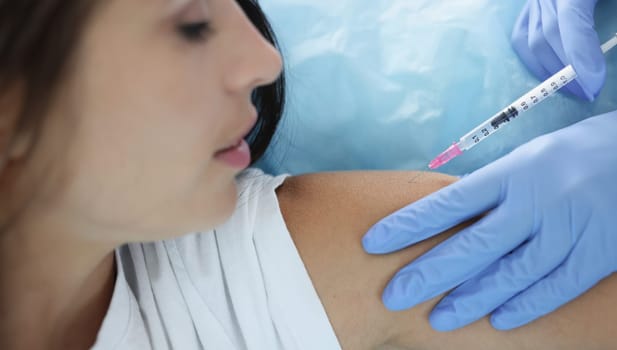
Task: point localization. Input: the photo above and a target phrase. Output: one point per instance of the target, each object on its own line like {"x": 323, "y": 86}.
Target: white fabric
{"x": 241, "y": 286}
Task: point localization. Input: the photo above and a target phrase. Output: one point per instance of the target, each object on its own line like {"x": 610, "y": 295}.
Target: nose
{"x": 256, "y": 61}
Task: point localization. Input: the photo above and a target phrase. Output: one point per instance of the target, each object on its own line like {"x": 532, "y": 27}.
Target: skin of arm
{"x": 327, "y": 214}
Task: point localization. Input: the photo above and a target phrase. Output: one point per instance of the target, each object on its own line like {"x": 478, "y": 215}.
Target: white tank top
{"x": 239, "y": 286}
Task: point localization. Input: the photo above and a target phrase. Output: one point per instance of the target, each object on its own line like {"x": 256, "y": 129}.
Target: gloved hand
{"x": 550, "y": 34}
{"x": 550, "y": 235}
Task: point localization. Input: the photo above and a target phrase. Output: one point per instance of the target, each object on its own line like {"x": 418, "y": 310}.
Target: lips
{"x": 236, "y": 141}
{"x": 237, "y": 154}
{"x": 223, "y": 150}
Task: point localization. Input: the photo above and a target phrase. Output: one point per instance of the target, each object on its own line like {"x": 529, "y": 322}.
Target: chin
{"x": 209, "y": 210}
{"x": 227, "y": 202}
{"x": 209, "y": 206}
{"x": 221, "y": 205}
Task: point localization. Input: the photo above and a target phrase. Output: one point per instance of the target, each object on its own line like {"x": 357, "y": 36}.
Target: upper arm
{"x": 327, "y": 215}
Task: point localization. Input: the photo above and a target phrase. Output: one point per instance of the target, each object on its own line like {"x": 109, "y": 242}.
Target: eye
{"x": 196, "y": 31}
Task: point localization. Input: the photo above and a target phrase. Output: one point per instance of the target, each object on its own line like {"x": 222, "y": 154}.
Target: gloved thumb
{"x": 582, "y": 45}
{"x": 431, "y": 215}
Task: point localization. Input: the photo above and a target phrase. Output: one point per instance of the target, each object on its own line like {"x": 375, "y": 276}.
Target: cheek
{"x": 155, "y": 100}
{"x": 146, "y": 206}
{"x": 145, "y": 151}
{"x": 160, "y": 115}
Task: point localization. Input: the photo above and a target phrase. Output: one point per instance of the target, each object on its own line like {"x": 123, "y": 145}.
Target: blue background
{"x": 390, "y": 84}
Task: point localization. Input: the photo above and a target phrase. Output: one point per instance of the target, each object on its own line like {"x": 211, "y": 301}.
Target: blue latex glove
{"x": 550, "y": 34}
{"x": 551, "y": 233}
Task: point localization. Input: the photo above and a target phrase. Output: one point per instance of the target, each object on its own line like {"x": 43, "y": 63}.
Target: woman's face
{"x": 157, "y": 88}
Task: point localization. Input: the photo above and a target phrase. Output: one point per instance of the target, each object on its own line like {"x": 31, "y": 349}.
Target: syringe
{"x": 522, "y": 105}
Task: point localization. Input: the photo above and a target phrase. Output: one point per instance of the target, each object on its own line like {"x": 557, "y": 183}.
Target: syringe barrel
{"x": 607, "y": 46}
{"x": 526, "y": 102}
{"x": 546, "y": 89}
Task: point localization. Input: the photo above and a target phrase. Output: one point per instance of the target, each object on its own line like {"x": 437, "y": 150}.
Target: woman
{"x": 123, "y": 121}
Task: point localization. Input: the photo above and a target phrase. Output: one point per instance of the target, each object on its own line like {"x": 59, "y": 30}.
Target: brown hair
{"x": 37, "y": 38}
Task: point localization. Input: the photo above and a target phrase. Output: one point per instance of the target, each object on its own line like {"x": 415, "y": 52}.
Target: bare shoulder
{"x": 363, "y": 187}
{"x": 328, "y": 213}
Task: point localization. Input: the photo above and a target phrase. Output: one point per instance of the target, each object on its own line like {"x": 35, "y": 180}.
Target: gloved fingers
{"x": 552, "y": 33}
{"x": 582, "y": 47}
{"x": 544, "y": 37}
{"x": 457, "y": 259}
{"x": 505, "y": 278}
{"x": 520, "y": 41}
{"x": 583, "y": 268}
{"x": 433, "y": 214}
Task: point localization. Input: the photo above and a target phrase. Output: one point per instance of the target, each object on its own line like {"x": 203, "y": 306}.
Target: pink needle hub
{"x": 445, "y": 156}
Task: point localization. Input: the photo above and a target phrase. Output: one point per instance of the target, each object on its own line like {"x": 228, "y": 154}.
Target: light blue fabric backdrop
{"x": 390, "y": 84}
